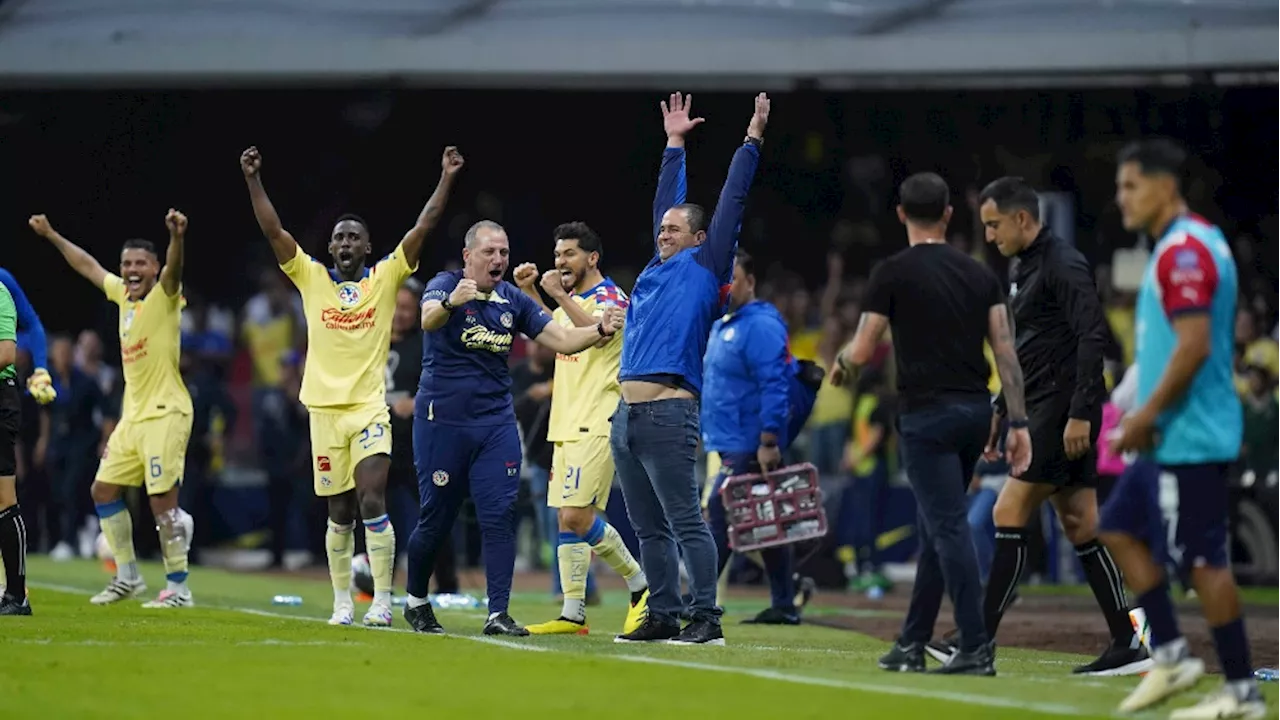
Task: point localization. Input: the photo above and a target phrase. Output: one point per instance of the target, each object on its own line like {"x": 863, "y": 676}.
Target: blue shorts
{"x": 1180, "y": 511}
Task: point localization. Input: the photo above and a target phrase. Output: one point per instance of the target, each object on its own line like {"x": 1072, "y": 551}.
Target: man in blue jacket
{"x": 654, "y": 434}
{"x": 747, "y": 417}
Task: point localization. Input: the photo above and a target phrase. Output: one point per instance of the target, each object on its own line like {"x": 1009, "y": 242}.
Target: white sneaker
{"x": 118, "y": 590}
{"x": 342, "y": 615}
{"x": 1221, "y": 705}
{"x": 378, "y": 616}
{"x": 170, "y": 599}
{"x": 1162, "y": 682}
{"x": 61, "y": 552}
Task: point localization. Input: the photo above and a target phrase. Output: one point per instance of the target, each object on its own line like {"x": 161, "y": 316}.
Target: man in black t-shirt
{"x": 404, "y": 364}
{"x": 941, "y": 305}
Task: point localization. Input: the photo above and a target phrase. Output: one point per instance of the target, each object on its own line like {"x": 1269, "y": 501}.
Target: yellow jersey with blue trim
{"x": 150, "y": 332}
{"x": 348, "y": 329}
{"x": 586, "y": 385}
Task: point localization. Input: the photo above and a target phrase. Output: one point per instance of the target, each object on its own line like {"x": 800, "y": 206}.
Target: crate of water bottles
{"x": 781, "y": 507}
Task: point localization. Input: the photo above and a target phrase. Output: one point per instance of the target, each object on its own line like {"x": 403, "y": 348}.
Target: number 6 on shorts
{"x": 154, "y": 463}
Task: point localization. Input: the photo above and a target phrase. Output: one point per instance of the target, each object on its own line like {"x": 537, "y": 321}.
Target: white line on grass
{"x": 184, "y": 643}
{"x": 876, "y": 688}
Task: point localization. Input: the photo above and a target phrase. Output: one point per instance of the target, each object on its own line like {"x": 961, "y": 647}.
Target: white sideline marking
{"x": 184, "y": 643}
{"x": 875, "y": 688}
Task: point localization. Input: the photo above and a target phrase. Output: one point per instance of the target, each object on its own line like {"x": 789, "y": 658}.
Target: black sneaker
{"x": 773, "y": 616}
{"x": 10, "y": 605}
{"x": 1118, "y": 659}
{"x": 423, "y": 619}
{"x": 651, "y": 630}
{"x": 974, "y": 662}
{"x": 903, "y": 658}
{"x": 699, "y": 632}
{"x": 502, "y": 624}
{"x": 942, "y": 650}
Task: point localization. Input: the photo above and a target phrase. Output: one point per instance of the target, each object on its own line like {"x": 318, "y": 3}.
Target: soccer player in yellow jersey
{"x": 149, "y": 444}
{"x": 585, "y": 396}
{"x": 348, "y": 308}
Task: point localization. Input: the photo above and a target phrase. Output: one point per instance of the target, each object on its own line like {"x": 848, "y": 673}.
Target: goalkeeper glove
{"x": 40, "y": 385}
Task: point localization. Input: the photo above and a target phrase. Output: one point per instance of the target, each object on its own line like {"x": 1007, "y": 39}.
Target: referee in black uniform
{"x": 941, "y": 304}
{"x": 1060, "y": 331}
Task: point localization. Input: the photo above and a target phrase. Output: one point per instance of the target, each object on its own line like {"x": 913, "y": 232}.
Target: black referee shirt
{"x": 938, "y": 301}
{"x": 1059, "y": 326}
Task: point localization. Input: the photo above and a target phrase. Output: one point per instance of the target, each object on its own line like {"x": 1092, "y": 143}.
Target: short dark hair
{"x": 1011, "y": 194}
{"x": 1155, "y": 156}
{"x": 924, "y": 197}
{"x": 744, "y": 260}
{"x": 697, "y": 216}
{"x": 353, "y": 218}
{"x": 587, "y": 238}
{"x": 140, "y": 244}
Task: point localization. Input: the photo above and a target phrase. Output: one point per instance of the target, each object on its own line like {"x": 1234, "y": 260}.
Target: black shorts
{"x": 1049, "y": 462}
{"x": 10, "y": 417}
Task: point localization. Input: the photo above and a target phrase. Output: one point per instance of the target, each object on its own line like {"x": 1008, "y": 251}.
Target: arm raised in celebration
{"x": 283, "y": 245}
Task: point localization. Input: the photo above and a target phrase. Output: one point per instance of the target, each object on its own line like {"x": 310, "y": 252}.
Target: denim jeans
{"x": 940, "y": 446}
{"x": 983, "y": 528}
{"x": 655, "y": 446}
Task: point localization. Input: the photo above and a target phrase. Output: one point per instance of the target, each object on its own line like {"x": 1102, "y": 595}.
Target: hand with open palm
{"x": 676, "y": 119}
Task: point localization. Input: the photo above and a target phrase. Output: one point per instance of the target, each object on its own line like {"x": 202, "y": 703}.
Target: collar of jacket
{"x": 1037, "y": 246}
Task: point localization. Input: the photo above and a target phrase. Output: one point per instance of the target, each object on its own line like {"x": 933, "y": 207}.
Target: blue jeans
{"x": 940, "y": 446}
{"x": 549, "y": 526}
{"x": 655, "y": 447}
{"x": 862, "y": 504}
{"x": 983, "y": 528}
{"x": 826, "y": 446}
{"x": 777, "y": 560}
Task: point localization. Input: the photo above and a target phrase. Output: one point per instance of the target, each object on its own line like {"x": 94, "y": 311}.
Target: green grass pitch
{"x": 237, "y": 656}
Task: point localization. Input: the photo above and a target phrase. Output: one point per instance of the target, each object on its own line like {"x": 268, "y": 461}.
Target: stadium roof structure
{"x": 771, "y": 44}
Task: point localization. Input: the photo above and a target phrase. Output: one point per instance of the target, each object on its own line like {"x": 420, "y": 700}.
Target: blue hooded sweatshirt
{"x": 748, "y": 378}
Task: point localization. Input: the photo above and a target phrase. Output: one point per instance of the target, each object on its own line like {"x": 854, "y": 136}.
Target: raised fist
{"x": 250, "y": 162}
{"x": 524, "y": 275}
{"x": 41, "y": 225}
{"x": 452, "y": 161}
{"x": 464, "y": 293}
{"x": 553, "y": 283}
{"x": 176, "y": 222}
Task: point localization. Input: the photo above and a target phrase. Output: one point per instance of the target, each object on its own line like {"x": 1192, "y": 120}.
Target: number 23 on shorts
{"x": 371, "y": 435}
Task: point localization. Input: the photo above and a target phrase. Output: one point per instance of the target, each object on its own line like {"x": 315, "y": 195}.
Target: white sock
{"x": 414, "y": 601}
{"x": 128, "y": 572}
{"x": 1170, "y": 653}
{"x": 574, "y": 609}
{"x": 382, "y": 597}
{"x": 637, "y": 582}
{"x": 1243, "y": 690}
{"x": 342, "y": 598}
{"x": 493, "y": 615}
{"x": 179, "y": 587}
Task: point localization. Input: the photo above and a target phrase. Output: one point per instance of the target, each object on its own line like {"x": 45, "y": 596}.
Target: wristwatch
{"x": 758, "y": 142}
{"x": 448, "y": 306}
{"x": 1018, "y": 424}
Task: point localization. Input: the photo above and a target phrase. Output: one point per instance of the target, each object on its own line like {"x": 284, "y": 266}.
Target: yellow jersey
{"x": 586, "y": 385}
{"x": 150, "y": 332}
{"x": 348, "y": 329}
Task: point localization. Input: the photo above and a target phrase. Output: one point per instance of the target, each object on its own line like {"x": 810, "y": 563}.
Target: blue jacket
{"x": 30, "y": 332}
{"x": 674, "y": 303}
{"x": 748, "y": 371}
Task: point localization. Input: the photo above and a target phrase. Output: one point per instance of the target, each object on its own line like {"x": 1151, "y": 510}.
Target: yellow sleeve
{"x": 298, "y": 268}
{"x": 113, "y": 288}
{"x": 397, "y": 265}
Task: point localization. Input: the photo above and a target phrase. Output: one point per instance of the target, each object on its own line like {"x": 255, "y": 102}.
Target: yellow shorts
{"x": 151, "y": 451}
{"x": 341, "y": 439}
{"x": 581, "y": 473}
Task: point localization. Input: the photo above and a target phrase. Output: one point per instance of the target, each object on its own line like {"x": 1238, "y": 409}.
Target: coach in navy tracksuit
{"x": 654, "y": 436}
{"x": 747, "y": 416}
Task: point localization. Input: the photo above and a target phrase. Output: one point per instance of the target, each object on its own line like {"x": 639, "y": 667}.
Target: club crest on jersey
{"x": 440, "y": 478}
{"x": 507, "y": 320}
{"x": 728, "y": 334}
{"x": 128, "y": 321}
{"x": 349, "y": 294}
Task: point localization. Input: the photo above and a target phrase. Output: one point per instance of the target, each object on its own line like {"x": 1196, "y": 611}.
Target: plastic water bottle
{"x": 1265, "y": 674}
{"x": 286, "y": 600}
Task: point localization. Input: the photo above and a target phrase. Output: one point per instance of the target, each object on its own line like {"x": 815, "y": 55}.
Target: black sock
{"x": 1006, "y": 570}
{"x": 1233, "y": 650}
{"x": 13, "y": 549}
{"x": 1108, "y": 589}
